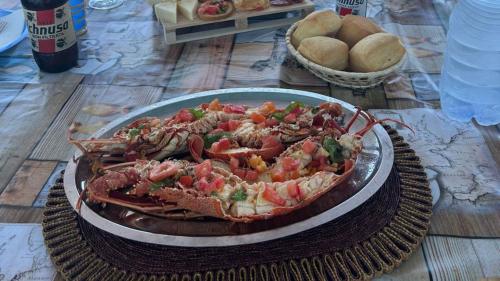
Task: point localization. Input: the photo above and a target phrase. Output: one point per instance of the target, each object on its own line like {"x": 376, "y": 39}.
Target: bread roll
{"x": 355, "y": 28}
{"x": 250, "y": 5}
{"x": 325, "y": 51}
{"x": 320, "y": 23}
{"x": 376, "y": 52}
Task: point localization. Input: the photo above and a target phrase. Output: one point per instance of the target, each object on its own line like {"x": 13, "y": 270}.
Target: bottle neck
{"x": 38, "y": 5}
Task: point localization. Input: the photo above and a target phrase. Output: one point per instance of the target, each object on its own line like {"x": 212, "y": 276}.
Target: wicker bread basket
{"x": 356, "y": 80}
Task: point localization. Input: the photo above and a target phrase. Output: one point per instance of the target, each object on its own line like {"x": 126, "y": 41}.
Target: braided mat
{"x": 372, "y": 239}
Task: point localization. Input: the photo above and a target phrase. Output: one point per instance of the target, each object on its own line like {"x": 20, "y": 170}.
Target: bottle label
{"x": 51, "y": 30}
{"x": 354, "y": 7}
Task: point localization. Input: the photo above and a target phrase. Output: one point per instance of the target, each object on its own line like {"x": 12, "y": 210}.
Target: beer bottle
{"x": 51, "y": 34}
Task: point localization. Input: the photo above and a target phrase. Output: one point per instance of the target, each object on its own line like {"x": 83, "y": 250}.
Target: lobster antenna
{"x": 370, "y": 126}
{"x": 353, "y": 118}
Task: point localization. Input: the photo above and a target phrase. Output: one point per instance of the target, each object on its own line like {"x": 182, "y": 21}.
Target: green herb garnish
{"x": 141, "y": 127}
{"x": 280, "y": 116}
{"x": 239, "y": 195}
{"x": 210, "y": 139}
{"x": 334, "y": 149}
{"x": 214, "y": 194}
{"x": 292, "y": 106}
{"x": 133, "y": 132}
{"x": 197, "y": 113}
{"x": 157, "y": 185}
{"x": 315, "y": 110}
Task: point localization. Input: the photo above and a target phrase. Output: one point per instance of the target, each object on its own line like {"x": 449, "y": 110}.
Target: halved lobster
{"x": 240, "y": 184}
{"x": 154, "y": 138}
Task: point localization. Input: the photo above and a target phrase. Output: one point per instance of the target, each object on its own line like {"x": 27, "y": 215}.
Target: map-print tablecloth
{"x": 124, "y": 65}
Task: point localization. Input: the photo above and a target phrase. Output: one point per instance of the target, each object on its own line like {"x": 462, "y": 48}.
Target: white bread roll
{"x": 319, "y": 23}
{"x": 376, "y": 52}
{"x": 355, "y": 28}
{"x": 325, "y": 51}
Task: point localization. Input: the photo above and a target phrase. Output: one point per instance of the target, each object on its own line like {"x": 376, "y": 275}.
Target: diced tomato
{"x": 297, "y": 110}
{"x": 278, "y": 175}
{"x": 234, "y": 163}
{"x": 270, "y": 141}
{"x": 211, "y": 10}
{"x": 203, "y": 169}
{"x": 240, "y": 173}
{"x": 224, "y": 126}
{"x": 268, "y": 107}
{"x": 203, "y": 184}
{"x": 251, "y": 175}
{"x": 186, "y": 180}
{"x": 257, "y": 118}
{"x": 231, "y": 108}
{"x": 290, "y": 118}
{"x": 204, "y": 106}
{"x": 215, "y": 105}
{"x": 318, "y": 120}
{"x": 293, "y": 189}
{"x": 185, "y": 116}
{"x": 271, "y": 122}
{"x": 217, "y": 183}
{"x": 272, "y": 196}
{"x": 233, "y": 125}
{"x": 290, "y": 164}
{"x": 309, "y": 147}
{"x": 221, "y": 145}
{"x": 215, "y": 147}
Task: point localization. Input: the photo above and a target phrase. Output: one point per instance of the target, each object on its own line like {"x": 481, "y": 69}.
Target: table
{"x": 124, "y": 65}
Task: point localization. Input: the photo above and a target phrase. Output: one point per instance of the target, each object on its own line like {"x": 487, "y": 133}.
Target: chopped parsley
{"x": 157, "y": 185}
{"x": 133, "y": 132}
{"x": 293, "y": 105}
{"x": 208, "y": 140}
{"x": 197, "y": 113}
{"x": 280, "y": 115}
{"x": 239, "y": 195}
{"x": 315, "y": 110}
{"x": 334, "y": 149}
{"x": 141, "y": 127}
{"x": 214, "y": 194}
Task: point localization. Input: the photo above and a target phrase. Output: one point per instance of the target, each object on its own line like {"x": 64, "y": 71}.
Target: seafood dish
{"x": 226, "y": 161}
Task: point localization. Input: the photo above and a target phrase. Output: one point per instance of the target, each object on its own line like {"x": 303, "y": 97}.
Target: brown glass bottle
{"x": 51, "y": 34}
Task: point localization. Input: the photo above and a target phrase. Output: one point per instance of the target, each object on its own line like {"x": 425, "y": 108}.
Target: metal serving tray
{"x": 372, "y": 169}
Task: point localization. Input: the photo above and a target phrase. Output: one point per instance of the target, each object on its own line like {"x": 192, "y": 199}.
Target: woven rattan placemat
{"x": 372, "y": 239}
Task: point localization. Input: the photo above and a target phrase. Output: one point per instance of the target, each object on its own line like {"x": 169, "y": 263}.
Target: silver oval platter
{"x": 373, "y": 167}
